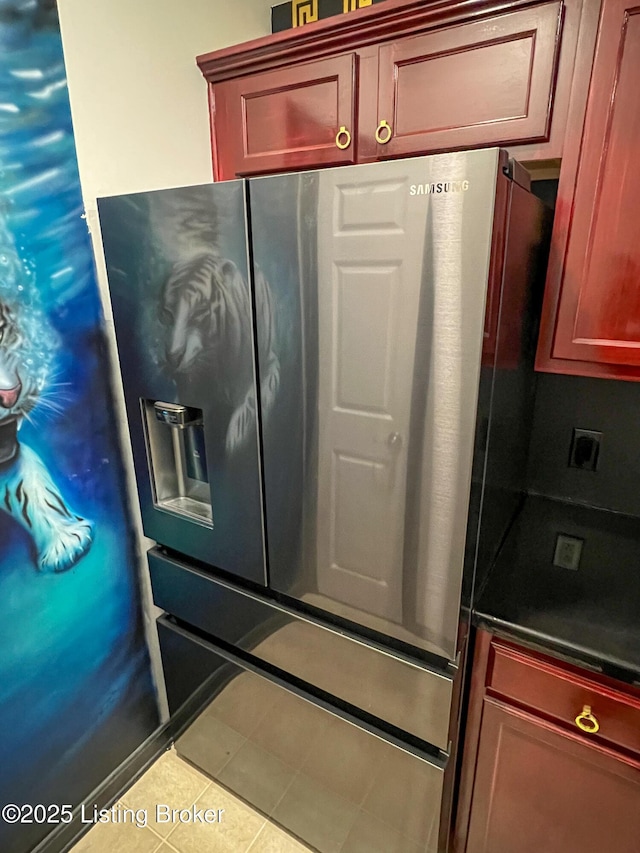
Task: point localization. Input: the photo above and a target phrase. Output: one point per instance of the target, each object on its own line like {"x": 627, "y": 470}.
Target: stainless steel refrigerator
{"x": 328, "y": 378}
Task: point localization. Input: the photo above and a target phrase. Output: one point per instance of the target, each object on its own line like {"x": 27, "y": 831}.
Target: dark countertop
{"x": 591, "y": 614}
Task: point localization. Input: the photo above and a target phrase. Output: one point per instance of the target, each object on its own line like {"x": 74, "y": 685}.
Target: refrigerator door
{"x": 177, "y": 262}
{"x": 377, "y": 282}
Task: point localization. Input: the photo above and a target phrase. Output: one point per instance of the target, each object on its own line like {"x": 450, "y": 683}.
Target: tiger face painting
{"x": 205, "y": 307}
{"x": 27, "y": 491}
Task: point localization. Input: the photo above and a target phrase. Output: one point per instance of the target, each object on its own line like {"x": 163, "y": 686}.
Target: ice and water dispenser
{"x": 178, "y": 460}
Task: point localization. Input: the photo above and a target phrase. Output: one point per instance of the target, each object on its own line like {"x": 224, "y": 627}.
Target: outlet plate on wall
{"x": 585, "y": 449}
{"x": 568, "y": 552}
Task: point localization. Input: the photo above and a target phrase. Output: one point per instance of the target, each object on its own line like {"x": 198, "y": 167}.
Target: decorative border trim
{"x": 298, "y": 13}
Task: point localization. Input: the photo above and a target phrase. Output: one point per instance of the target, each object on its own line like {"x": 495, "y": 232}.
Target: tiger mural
{"x": 205, "y": 307}
{"x": 27, "y": 491}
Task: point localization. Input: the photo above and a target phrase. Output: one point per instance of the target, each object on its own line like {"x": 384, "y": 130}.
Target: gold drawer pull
{"x": 343, "y": 138}
{"x": 384, "y": 127}
{"x": 587, "y": 722}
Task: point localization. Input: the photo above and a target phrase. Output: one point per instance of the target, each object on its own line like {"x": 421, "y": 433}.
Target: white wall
{"x": 139, "y": 110}
{"x": 138, "y": 100}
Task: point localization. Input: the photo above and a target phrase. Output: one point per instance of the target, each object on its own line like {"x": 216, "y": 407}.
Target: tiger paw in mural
{"x": 70, "y": 542}
{"x": 31, "y": 497}
{"x": 28, "y": 348}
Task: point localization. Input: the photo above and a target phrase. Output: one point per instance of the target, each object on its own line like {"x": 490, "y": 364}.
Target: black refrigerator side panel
{"x": 177, "y": 263}
{"x": 510, "y": 398}
{"x": 505, "y": 412}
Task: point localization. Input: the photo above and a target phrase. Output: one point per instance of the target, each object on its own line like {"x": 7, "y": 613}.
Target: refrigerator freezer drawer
{"x": 407, "y": 695}
{"x": 332, "y": 783}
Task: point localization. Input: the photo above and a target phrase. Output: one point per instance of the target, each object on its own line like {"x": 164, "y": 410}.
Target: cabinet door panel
{"x": 538, "y": 789}
{"x": 285, "y": 119}
{"x": 482, "y": 83}
{"x": 596, "y": 330}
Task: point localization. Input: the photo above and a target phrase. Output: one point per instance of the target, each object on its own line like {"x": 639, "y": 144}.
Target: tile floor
{"x": 174, "y": 783}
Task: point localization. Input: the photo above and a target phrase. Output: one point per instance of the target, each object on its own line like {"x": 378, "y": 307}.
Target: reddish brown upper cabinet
{"x": 551, "y": 758}
{"x": 591, "y": 314}
{"x": 397, "y": 79}
{"x": 286, "y": 119}
{"x": 487, "y": 82}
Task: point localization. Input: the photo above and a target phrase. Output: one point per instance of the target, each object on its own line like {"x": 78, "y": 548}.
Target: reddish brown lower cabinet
{"x": 591, "y": 315}
{"x": 533, "y": 781}
{"x": 538, "y": 788}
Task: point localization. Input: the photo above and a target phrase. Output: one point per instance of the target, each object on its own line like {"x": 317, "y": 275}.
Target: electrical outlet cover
{"x": 585, "y": 449}
{"x": 568, "y": 552}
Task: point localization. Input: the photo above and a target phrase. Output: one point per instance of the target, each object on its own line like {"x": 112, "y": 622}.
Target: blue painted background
{"x": 76, "y": 695}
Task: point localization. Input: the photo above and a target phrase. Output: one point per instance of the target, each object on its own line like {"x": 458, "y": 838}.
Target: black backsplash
{"x": 604, "y": 405}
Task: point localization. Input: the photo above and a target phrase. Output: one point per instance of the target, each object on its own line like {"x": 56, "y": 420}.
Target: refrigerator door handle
{"x": 394, "y": 440}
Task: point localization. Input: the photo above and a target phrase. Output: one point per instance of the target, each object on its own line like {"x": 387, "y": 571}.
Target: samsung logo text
{"x": 441, "y": 187}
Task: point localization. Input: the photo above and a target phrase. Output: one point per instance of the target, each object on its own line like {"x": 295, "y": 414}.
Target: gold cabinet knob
{"x": 343, "y": 138}
{"x": 586, "y": 721}
{"x": 384, "y": 132}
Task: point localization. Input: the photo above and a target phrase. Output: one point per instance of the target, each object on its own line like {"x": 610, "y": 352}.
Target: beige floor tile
{"x": 169, "y": 781}
{"x": 114, "y": 838}
{"x": 274, "y": 840}
{"x": 257, "y": 776}
{"x": 244, "y": 702}
{"x": 345, "y": 760}
{"x": 238, "y": 826}
{"x": 315, "y": 815}
{"x": 209, "y": 743}
{"x": 290, "y": 728}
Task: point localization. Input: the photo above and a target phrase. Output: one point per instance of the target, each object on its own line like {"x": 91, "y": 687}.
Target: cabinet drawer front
{"x": 408, "y": 696}
{"x": 562, "y": 694}
{"x": 483, "y": 83}
{"x": 285, "y": 119}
